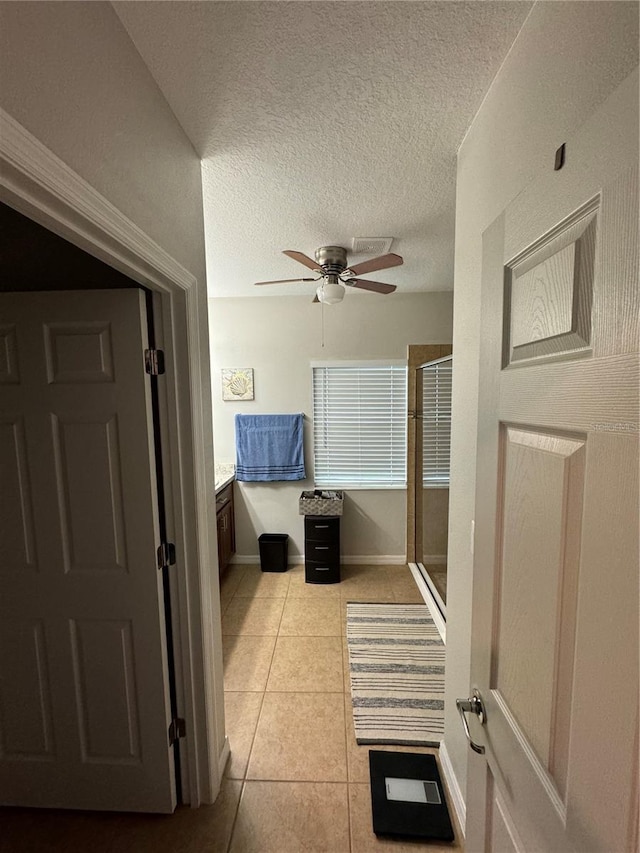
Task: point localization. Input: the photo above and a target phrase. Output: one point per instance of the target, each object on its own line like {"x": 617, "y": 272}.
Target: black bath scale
{"x": 407, "y": 798}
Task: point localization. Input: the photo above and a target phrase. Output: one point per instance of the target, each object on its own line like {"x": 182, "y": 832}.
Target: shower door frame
{"x": 418, "y": 357}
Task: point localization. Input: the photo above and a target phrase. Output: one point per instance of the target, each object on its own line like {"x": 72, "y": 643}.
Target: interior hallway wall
{"x": 568, "y": 57}
{"x": 70, "y": 74}
{"x": 278, "y": 337}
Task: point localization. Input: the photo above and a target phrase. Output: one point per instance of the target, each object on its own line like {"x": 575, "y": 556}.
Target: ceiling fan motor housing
{"x": 332, "y": 259}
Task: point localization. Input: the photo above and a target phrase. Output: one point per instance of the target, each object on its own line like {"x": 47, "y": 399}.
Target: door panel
{"x": 9, "y": 372}
{"x": 16, "y": 518}
{"x": 87, "y": 456}
{"x": 84, "y": 702}
{"x": 541, "y": 494}
{"x": 549, "y": 293}
{"x": 78, "y": 352}
{"x": 104, "y": 667}
{"x": 27, "y": 724}
{"x": 555, "y": 623}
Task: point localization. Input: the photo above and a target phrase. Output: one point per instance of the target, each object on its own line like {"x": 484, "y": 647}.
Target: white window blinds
{"x": 436, "y": 422}
{"x": 360, "y": 425}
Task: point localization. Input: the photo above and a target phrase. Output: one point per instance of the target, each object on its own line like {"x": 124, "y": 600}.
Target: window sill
{"x": 360, "y": 487}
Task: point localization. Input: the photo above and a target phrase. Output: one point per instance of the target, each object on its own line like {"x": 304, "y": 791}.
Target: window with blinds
{"x": 360, "y": 425}
{"x": 436, "y": 422}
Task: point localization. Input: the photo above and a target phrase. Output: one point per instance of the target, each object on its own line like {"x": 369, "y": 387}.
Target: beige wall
{"x": 279, "y": 337}
{"x": 566, "y": 60}
{"x": 70, "y": 74}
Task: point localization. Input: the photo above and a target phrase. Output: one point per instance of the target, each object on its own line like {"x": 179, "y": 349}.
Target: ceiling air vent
{"x": 371, "y": 245}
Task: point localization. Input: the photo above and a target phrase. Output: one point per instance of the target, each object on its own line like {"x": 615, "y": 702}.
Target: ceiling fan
{"x": 332, "y": 271}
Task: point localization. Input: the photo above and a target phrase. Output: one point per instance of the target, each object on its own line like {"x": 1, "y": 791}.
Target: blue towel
{"x": 269, "y": 447}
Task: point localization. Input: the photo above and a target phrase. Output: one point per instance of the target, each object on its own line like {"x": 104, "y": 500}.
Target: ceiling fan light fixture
{"x": 330, "y": 292}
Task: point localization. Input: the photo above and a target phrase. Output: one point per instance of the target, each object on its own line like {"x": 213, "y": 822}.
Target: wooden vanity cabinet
{"x": 226, "y": 527}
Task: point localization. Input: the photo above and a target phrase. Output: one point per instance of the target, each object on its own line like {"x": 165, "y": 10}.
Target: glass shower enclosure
{"x": 432, "y": 459}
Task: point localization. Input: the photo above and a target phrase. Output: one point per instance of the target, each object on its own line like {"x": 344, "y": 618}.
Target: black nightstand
{"x": 322, "y": 548}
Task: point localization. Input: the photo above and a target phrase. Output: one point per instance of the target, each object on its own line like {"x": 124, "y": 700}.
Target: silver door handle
{"x": 473, "y": 705}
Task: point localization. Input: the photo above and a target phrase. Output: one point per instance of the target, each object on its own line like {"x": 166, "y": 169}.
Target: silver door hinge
{"x": 166, "y": 555}
{"x": 177, "y": 729}
{"x": 154, "y": 361}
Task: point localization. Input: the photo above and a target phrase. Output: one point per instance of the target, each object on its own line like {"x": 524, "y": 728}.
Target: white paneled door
{"x": 555, "y": 622}
{"x": 84, "y": 708}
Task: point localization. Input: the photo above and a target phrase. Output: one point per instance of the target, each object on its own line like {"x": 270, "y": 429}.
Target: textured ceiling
{"x": 321, "y": 121}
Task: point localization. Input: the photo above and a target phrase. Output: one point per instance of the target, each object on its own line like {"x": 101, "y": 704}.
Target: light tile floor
{"x": 296, "y": 781}
{"x": 288, "y": 703}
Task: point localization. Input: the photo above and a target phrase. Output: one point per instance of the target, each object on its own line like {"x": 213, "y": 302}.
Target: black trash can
{"x": 273, "y": 551}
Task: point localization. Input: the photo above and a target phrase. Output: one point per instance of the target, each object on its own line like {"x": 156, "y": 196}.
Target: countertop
{"x": 224, "y": 474}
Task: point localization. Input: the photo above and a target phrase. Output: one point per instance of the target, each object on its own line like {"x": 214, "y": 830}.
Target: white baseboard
{"x": 455, "y": 793}
{"x": 356, "y": 560}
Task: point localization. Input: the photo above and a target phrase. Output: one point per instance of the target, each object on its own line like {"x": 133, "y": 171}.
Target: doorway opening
{"x": 36, "y": 261}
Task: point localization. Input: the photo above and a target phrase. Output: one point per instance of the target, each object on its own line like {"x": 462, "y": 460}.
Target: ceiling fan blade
{"x": 381, "y": 263}
{"x": 286, "y": 281}
{"x": 302, "y": 259}
{"x": 375, "y": 286}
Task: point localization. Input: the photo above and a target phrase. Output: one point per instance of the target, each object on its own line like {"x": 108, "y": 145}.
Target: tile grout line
{"x": 235, "y": 817}
{"x": 311, "y": 636}
{"x": 343, "y": 609}
{"x": 246, "y": 769}
{"x": 264, "y": 693}
{"x": 345, "y": 736}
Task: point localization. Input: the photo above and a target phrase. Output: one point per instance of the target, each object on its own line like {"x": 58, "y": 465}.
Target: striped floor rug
{"x": 396, "y": 662}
